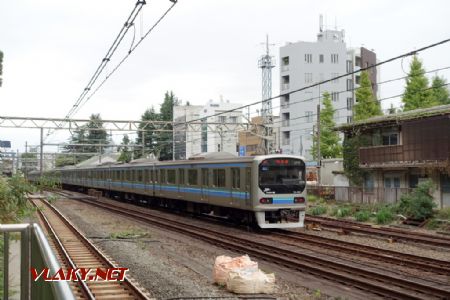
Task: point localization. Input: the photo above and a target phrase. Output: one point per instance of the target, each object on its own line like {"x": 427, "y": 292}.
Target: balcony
{"x": 381, "y": 155}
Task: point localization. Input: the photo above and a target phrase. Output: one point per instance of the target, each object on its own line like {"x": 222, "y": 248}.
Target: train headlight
{"x": 299, "y": 200}
{"x": 266, "y": 200}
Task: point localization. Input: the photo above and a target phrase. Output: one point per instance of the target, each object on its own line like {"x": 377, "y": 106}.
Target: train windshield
{"x": 282, "y": 176}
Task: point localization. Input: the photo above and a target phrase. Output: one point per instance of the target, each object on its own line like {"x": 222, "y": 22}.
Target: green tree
{"x": 148, "y": 130}
{"x": 96, "y": 134}
{"x": 125, "y": 153}
{"x": 165, "y": 144}
{"x": 417, "y": 95}
{"x": 1, "y": 68}
{"x": 329, "y": 138}
{"x": 366, "y": 105}
{"x": 439, "y": 91}
{"x": 419, "y": 204}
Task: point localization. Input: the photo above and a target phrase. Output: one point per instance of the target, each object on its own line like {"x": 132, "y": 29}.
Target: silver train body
{"x": 265, "y": 190}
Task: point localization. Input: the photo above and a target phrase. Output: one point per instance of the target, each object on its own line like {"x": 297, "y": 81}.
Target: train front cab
{"x": 280, "y": 198}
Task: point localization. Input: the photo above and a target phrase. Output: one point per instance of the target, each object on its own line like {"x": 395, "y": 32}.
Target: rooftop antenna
{"x": 266, "y": 63}
{"x": 321, "y": 23}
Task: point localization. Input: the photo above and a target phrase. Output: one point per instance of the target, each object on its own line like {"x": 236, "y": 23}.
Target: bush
{"x": 362, "y": 216}
{"x": 319, "y": 210}
{"x": 384, "y": 215}
{"x": 443, "y": 214}
{"x": 419, "y": 204}
{"x": 341, "y": 211}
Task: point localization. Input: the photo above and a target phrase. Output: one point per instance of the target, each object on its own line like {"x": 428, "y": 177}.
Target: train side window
{"x": 205, "y": 177}
{"x": 171, "y": 176}
{"x": 219, "y": 177}
{"x": 181, "y": 176}
{"x": 152, "y": 176}
{"x": 147, "y": 176}
{"x": 139, "y": 176}
{"x": 236, "y": 178}
{"x": 192, "y": 177}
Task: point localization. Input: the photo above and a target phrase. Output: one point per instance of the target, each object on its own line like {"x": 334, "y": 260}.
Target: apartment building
{"x": 216, "y": 134}
{"x": 303, "y": 64}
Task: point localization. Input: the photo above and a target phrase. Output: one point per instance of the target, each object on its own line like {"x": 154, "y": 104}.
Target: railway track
{"x": 373, "y": 281}
{"x": 75, "y": 251}
{"x": 394, "y": 233}
{"x": 402, "y": 259}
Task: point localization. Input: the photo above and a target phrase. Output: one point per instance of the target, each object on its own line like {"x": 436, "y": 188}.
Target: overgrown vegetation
{"x": 13, "y": 201}
{"x": 362, "y": 216}
{"x": 419, "y": 204}
{"x": 318, "y": 210}
{"x": 13, "y": 207}
{"x": 48, "y": 183}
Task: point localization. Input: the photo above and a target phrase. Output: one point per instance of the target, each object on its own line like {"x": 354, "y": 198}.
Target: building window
{"x": 349, "y": 84}
{"x": 321, "y": 77}
{"x": 233, "y": 119}
{"x": 285, "y": 82}
{"x": 285, "y": 63}
{"x": 308, "y": 77}
{"x": 321, "y": 58}
{"x": 309, "y": 116}
{"x": 222, "y": 119}
{"x": 392, "y": 182}
{"x": 368, "y": 183}
{"x": 349, "y": 119}
{"x": 357, "y": 79}
{"x": 335, "y": 96}
{"x": 389, "y": 139}
{"x": 349, "y": 103}
{"x": 308, "y": 58}
{"x": 286, "y": 138}
{"x": 285, "y": 101}
{"x": 349, "y": 66}
{"x": 334, "y": 58}
{"x": 358, "y": 61}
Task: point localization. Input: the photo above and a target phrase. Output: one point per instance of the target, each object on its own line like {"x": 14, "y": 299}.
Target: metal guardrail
{"x": 36, "y": 253}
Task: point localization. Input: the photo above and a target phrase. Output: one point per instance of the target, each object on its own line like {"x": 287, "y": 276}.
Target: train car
{"x": 265, "y": 190}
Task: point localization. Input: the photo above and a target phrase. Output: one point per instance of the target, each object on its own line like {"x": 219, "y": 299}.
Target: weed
{"x": 433, "y": 224}
{"x": 343, "y": 212}
{"x": 319, "y": 210}
{"x": 362, "y": 216}
{"x": 384, "y": 215}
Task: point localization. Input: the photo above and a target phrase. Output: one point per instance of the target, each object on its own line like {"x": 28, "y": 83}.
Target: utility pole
{"x": 41, "y": 156}
{"x": 319, "y": 157}
{"x": 266, "y": 63}
{"x": 143, "y": 144}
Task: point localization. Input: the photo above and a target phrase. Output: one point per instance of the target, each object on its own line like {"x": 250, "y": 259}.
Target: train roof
{"x": 202, "y": 158}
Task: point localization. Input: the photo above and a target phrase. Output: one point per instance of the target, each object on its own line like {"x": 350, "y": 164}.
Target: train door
{"x": 181, "y": 183}
{"x": 205, "y": 184}
{"x": 248, "y": 186}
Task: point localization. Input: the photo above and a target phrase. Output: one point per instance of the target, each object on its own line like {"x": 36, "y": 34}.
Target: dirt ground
{"x": 170, "y": 265}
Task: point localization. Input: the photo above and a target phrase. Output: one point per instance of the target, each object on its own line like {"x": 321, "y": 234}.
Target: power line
{"x": 174, "y": 2}
{"x": 331, "y": 79}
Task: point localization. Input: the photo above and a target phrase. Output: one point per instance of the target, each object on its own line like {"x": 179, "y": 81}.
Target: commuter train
{"x": 268, "y": 190}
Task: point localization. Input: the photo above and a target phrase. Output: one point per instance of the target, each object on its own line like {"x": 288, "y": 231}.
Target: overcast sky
{"x": 201, "y": 50}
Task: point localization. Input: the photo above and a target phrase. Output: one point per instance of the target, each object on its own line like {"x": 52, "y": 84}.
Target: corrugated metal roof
{"x": 398, "y": 117}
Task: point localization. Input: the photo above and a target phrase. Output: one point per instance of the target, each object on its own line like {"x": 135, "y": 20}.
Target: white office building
{"x": 303, "y": 64}
{"x": 194, "y": 139}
